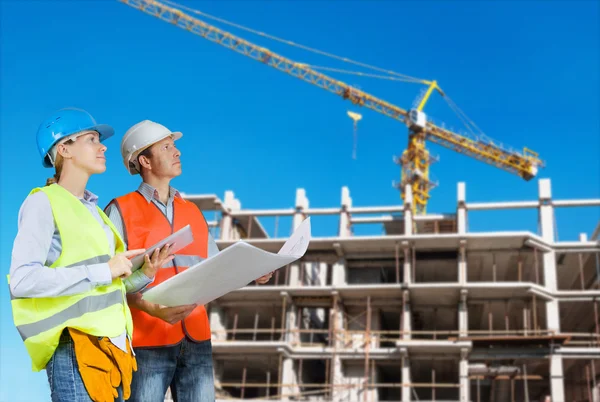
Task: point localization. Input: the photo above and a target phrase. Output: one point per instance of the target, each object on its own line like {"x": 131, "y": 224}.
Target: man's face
{"x": 164, "y": 159}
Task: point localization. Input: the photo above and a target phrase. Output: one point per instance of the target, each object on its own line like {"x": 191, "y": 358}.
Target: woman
{"x": 68, "y": 269}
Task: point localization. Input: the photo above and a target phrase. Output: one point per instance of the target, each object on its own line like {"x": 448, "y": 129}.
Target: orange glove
{"x": 125, "y": 362}
{"x": 98, "y": 372}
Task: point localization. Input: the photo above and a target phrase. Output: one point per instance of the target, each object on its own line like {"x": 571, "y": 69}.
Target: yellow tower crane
{"x": 415, "y": 160}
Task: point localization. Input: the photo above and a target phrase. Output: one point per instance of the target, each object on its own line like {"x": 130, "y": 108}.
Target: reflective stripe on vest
{"x": 100, "y": 311}
{"x": 92, "y": 260}
{"x": 182, "y": 260}
{"x": 86, "y": 305}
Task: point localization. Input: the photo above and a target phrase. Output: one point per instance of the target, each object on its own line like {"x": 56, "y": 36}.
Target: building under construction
{"x": 427, "y": 311}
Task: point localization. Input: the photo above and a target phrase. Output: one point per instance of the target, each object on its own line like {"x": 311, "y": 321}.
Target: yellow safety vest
{"x": 102, "y": 311}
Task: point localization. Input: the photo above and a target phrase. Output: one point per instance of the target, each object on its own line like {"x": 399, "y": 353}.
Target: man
{"x": 172, "y": 345}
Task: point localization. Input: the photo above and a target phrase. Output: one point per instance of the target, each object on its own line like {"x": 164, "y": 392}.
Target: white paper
{"x": 230, "y": 269}
{"x": 178, "y": 240}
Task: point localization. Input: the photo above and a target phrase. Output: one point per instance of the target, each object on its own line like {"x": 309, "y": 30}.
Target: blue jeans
{"x": 186, "y": 367}
{"x": 65, "y": 381}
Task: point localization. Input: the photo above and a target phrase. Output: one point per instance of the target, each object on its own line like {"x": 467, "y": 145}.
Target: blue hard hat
{"x": 63, "y": 123}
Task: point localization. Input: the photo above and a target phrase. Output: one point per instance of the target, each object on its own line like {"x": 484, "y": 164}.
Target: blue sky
{"x": 526, "y": 72}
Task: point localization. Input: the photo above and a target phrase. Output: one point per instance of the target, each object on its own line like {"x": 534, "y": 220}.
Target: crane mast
{"x": 416, "y": 159}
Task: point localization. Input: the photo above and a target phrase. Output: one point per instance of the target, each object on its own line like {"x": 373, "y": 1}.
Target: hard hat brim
{"x": 104, "y": 131}
{"x": 177, "y": 135}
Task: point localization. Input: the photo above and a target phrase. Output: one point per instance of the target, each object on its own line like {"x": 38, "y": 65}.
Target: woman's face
{"x": 87, "y": 153}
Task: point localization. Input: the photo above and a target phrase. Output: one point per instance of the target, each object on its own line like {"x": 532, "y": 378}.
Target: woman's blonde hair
{"x": 58, "y": 165}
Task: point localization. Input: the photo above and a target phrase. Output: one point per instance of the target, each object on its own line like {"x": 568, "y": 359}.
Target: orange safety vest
{"x": 145, "y": 225}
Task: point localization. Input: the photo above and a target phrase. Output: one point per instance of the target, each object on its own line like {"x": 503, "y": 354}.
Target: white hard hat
{"x": 139, "y": 137}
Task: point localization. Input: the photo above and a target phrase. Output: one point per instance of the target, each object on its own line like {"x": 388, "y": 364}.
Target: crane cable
{"x": 463, "y": 117}
{"x": 480, "y": 136}
{"x": 337, "y": 70}
{"x": 397, "y": 76}
{"x": 287, "y": 42}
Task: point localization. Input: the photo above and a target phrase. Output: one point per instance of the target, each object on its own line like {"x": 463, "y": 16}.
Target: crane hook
{"x": 355, "y": 117}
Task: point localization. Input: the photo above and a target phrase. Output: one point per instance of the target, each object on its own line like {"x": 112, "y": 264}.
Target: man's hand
{"x": 172, "y": 315}
{"x": 159, "y": 258}
{"x": 264, "y": 279}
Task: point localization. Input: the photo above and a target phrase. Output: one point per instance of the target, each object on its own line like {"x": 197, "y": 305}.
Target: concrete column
{"x": 337, "y": 322}
{"x": 463, "y": 314}
{"x": 218, "y": 323}
{"x": 345, "y": 229}
{"x": 322, "y": 272}
{"x": 294, "y": 274}
{"x": 556, "y": 378}
{"x": 289, "y": 377}
{"x": 465, "y": 385}
{"x": 546, "y": 213}
{"x": 322, "y": 281}
{"x": 406, "y": 378}
{"x": 546, "y": 210}
{"x": 337, "y": 378}
{"x": 553, "y": 316}
{"x": 373, "y": 394}
{"x": 407, "y": 263}
{"x": 291, "y": 323}
{"x": 462, "y": 263}
{"x": 375, "y": 326}
{"x": 226, "y": 220}
{"x": 406, "y": 316}
{"x": 307, "y": 272}
{"x": 408, "y": 215}
{"x": 339, "y": 275}
{"x": 461, "y": 210}
{"x": 549, "y": 259}
{"x": 337, "y": 325}
{"x": 228, "y": 230}
{"x": 301, "y": 205}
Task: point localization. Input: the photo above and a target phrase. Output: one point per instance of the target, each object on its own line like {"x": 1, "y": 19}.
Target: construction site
{"x": 427, "y": 311}
{"x": 421, "y": 309}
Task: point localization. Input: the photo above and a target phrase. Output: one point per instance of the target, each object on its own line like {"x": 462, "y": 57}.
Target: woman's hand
{"x": 120, "y": 265}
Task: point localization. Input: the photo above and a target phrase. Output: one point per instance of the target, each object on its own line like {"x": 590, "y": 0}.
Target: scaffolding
{"x": 425, "y": 311}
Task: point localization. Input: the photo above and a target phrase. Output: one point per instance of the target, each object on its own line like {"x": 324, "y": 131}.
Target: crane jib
{"x": 416, "y": 170}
